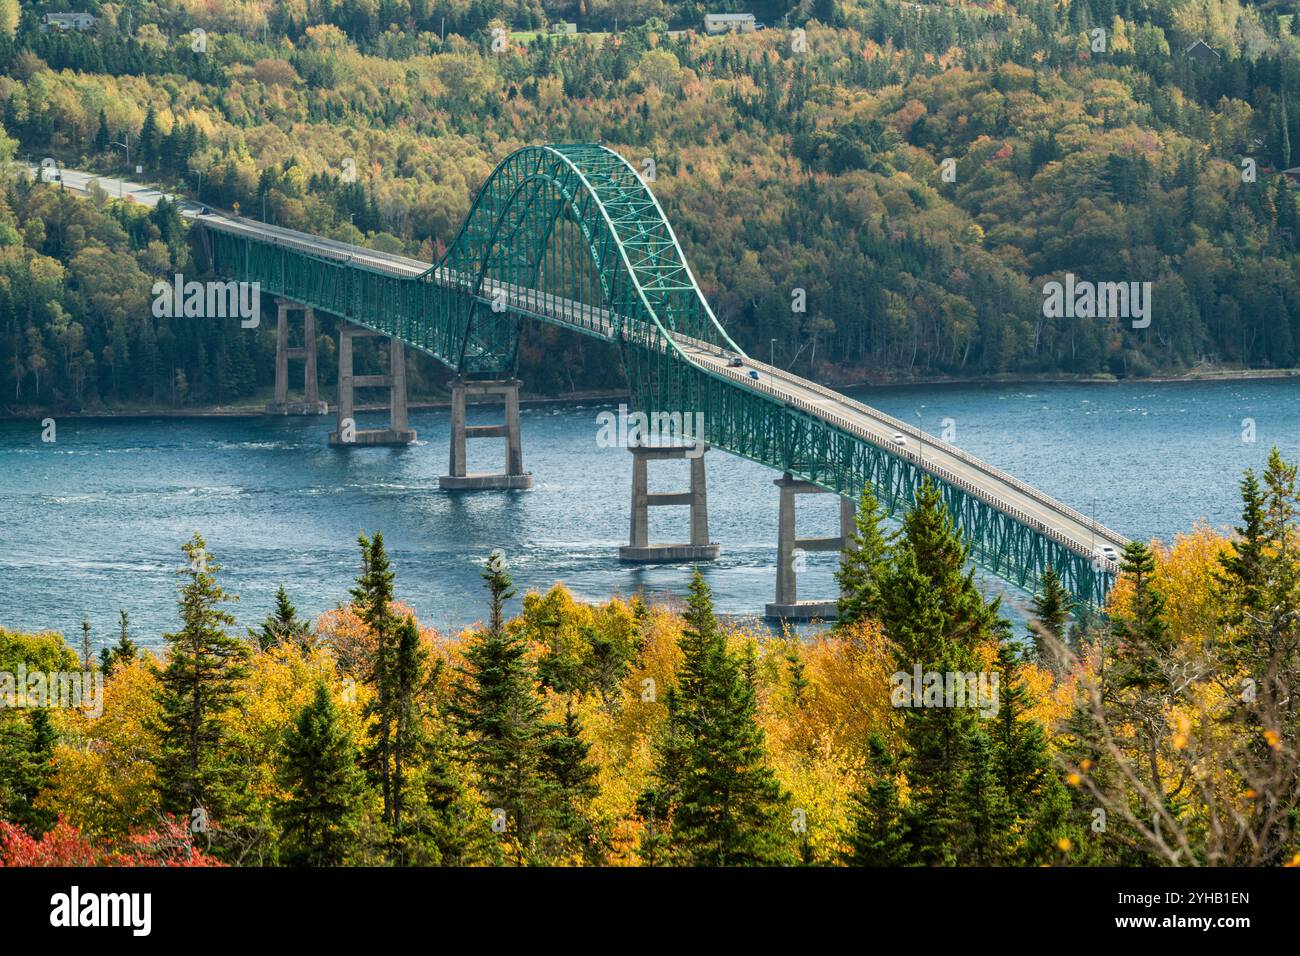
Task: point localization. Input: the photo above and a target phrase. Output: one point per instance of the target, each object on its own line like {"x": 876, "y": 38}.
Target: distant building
{"x": 1292, "y": 175}
{"x": 564, "y": 28}
{"x": 70, "y": 21}
{"x": 1202, "y": 52}
{"x": 728, "y": 23}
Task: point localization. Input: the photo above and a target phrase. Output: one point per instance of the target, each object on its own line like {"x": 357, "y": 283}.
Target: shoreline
{"x": 1057, "y": 378}
{"x": 251, "y": 411}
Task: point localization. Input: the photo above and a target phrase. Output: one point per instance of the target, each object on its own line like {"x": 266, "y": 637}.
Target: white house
{"x": 728, "y": 23}
{"x": 70, "y": 21}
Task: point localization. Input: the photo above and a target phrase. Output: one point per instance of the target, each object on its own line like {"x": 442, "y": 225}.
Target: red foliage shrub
{"x": 64, "y": 845}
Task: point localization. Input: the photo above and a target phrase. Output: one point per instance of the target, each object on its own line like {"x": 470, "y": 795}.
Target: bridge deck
{"x": 1080, "y": 534}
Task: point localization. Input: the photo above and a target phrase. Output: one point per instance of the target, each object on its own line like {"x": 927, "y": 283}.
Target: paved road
{"x": 1008, "y": 494}
{"x": 79, "y": 182}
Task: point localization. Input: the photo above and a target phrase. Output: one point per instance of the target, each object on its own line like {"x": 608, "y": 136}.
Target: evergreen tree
{"x": 1051, "y": 608}
{"x": 1144, "y": 649}
{"x": 935, "y": 617}
{"x": 1271, "y": 652}
{"x": 450, "y": 827}
{"x": 102, "y": 137}
{"x": 880, "y": 834}
{"x": 1143, "y": 630}
{"x": 319, "y": 818}
{"x": 149, "y": 138}
{"x": 1022, "y": 763}
{"x": 863, "y": 564}
{"x": 1241, "y": 575}
{"x": 497, "y": 709}
{"x": 565, "y": 763}
{"x": 199, "y": 682}
{"x": 798, "y": 680}
{"x": 408, "y": 720}
{"x": 26, "y": 766}
{"x": 124, "y": 652}
{"x": 729, "y": 805}
{"x": 282, "y": 625}
{"x": 986, "y": 812}
{"x": 373, "y": 598}
{"x": 656, "y": 803}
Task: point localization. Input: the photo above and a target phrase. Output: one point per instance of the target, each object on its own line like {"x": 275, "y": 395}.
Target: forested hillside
{"x": 1083, "y": 140}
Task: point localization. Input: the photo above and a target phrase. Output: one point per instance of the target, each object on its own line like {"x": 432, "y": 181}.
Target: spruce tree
{"x": 282, "y": 625}
{"x": 863, "y": 563}
{"x": 1051, "y": 608}
{"x": 798, "y": 679}
{"x": 1271, "y": 653}
{"x": 408, "y": 678}
{"x": 200, "y": 682}
{"x": 373, "y": 597}
{"x": 148, "y": 147}
{"x": 26, "y": 754}
{"x": 565, "y": 763}
{"x": 102, "y": 138}
{"x": 124, "y": 652}
{"x": 935, "y": 617}
{"x": 985, "y": 811}
{"x": 1241, "y": 567}
{"x": 730, "y": 808}
{"x": 450, "y": 827}
{"x": 1143, "y": 630}
{"x": 656, "y": 803}
{"x": 1018, "y": 742}
{"x": 880, "y": 825}
{"x": 497, "y": 709}
{"x": 325, "y": 786}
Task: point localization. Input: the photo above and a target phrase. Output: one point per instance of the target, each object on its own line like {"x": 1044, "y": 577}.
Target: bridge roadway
{"x": 1050, "y": 517}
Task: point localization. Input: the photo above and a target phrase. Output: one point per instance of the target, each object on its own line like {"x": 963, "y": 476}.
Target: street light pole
{"x": 920, "y": 434}
{"x": 126, "y": 146}
{"x": 771, "y": 353}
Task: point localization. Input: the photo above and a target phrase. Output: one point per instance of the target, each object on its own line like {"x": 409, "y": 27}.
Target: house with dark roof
{"x": 1202, "y": 52}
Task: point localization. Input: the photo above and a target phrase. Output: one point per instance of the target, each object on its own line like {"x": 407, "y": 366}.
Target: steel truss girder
{"x": 573, "y": 227}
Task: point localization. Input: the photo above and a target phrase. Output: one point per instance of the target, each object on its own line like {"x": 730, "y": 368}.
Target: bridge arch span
{"x": 583, "y": 203}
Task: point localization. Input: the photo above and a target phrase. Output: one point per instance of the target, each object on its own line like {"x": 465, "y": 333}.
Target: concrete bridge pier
{"x": 311, "y": 403}
{"x": 638, "y": 548}
{"x": 514, "y": 477}
{"x": 790, "y": 550}
{"x": 346, "y": 433}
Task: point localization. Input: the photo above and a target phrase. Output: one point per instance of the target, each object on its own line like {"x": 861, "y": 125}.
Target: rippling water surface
{"x": 94, "y": 522}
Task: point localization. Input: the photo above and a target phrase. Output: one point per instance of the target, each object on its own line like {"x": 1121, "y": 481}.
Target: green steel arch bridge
{"x": 570, "y": 235}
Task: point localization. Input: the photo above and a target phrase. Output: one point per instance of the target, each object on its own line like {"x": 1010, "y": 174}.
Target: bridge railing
{"x": 907, "y": 428}
{"x": 937, "y": 470}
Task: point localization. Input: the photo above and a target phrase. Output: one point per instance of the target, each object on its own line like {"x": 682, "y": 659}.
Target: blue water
{"x": 94, "y": 522}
